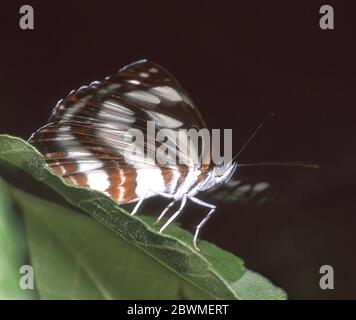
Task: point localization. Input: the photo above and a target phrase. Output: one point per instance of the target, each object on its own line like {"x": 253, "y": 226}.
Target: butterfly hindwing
{"x": 86, "y": 137}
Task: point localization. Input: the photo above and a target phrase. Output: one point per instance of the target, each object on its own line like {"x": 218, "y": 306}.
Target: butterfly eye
{"x": 219, "y": 170}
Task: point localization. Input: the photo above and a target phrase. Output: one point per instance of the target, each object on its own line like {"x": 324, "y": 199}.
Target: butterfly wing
{"x": 86, "y": 137}
{"x": 264, "y": 185}
{"x": 240, "y": 191}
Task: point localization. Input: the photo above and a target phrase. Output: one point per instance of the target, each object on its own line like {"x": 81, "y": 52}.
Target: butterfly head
{"x": 223, "y": 172}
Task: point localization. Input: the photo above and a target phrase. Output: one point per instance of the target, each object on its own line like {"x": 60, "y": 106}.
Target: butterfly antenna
{"x": 279, "y": 163}
{"x": 253, "y": 135}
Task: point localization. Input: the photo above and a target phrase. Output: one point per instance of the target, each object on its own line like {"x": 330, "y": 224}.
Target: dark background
{"x": 239, "y": 60}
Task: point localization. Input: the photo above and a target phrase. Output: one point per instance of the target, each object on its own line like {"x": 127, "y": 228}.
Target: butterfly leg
{"x": 138, "y": 204}
{"x": 175, "y": 215}
{"x": 148, "y": 194}
{"x": 201, "y": 224}
{"x": 165, "y": 211}
{"x": 164, "y": 195}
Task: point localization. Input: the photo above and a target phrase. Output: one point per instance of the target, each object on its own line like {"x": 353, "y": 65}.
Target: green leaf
{"x": 12, "y": 250}
{"x": 212, "y": 272}
{"x": 75, "y": 257}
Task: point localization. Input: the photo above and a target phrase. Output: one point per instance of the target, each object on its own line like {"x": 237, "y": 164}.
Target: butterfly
{"x": 85, "y": 141}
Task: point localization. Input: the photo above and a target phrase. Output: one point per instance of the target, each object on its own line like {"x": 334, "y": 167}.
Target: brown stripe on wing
{"x": 121, "y": 180}
{"x": 167, "y": 174}
{"x": 79, "y": 179}
{"x": 122, "y": 185}
{"x": 183, "y": 172}
{"x": 64, "y": 168}
{"x": 204, "y": 171}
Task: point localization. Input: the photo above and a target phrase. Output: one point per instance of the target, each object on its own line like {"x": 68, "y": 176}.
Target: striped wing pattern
{"x": 84, "y": 139}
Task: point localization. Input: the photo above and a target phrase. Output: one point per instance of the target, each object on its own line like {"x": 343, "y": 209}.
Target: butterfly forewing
{"x": 86, "y": 137}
